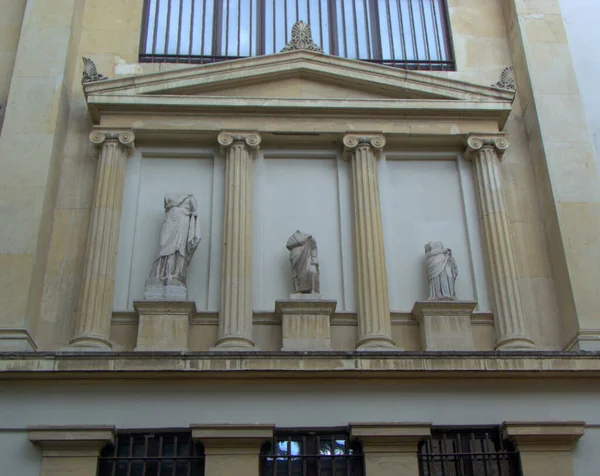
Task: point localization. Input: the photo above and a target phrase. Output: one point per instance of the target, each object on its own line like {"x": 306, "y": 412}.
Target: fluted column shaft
{"x": 485, "y": 153}
{"x": 92, "y": 328}
{"x": 374, "y": 324}
{"x": 235, "y": 319}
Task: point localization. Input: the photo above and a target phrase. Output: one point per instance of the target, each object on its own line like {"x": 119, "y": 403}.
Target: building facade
{"x": 230, "y": 239}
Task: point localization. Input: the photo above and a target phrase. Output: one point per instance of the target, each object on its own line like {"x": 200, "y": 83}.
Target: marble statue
{"x": 305, "y": 264}
{"x": 441, "y": 271}
{"x": 179, "y": 238}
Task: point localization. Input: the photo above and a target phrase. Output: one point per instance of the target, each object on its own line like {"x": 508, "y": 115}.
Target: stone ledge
{"x": 388, "y": 364}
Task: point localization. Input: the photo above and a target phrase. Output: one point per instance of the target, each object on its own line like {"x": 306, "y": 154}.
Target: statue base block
{"x": 445, "y": 325}
{"x": 305, "y": 323}
{"x": 156, "y": 290}
{"x": 163, "y": 325}
{"x": 305, "y": 297}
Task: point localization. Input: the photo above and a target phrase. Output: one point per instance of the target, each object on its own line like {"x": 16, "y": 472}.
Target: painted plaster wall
{"x": 302, "y": 404}
{"x": 10, "y": 25}
{"x": 581, "y": 19}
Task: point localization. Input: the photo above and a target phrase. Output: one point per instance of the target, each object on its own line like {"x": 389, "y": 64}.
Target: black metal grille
{"x": 474, "y": 452}
{"x": 152, "y": 454}
{"x": 411, "y": 34}
{"x": 311, "y": 454}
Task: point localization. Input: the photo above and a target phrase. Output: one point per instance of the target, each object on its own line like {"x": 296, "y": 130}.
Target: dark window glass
{"x": 468, "y": 452}
{"x": 152, "y": 454}
{"x": 311, "y": 454}
{"x": 410, "y": 34}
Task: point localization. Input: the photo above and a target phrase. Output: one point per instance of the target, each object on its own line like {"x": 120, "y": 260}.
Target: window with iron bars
{"x": 152, "y": 454}
{"x": 311, "y": 453}
{"x": 410, "y": 34}
{"x": 468, "y": 452}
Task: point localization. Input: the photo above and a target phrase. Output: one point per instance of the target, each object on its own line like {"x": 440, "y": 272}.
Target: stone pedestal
{"x": 156, "y": 290}
{"x": 305, "y": 324}
{"x": 445, "y": 325}
{"x": 163, "y": 325}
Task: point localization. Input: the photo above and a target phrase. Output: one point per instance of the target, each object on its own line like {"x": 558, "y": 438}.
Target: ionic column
{"x": 235, "y": 319}
{"x": 92, "y": 328}
{"x": 485, "y": 153}
{"x": 374, "y": 324}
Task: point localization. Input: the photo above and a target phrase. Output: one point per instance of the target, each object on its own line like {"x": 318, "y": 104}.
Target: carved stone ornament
{"x": 441, "y": 271}
{"x": 507, "y": 80}
{"x": 476, "y": 143}
{"x": 301, "y": 39}
{"x": 90, "y": 73}
{"x": 305, "y": 263}
{"x": 352, "y": 141}
{"x": 179, "y": 238}
{"x": 251, "y": 140}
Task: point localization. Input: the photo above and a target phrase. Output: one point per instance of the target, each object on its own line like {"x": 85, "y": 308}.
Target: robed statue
{"x": 179, "y": 238}
{"x": 441, "y": 271}
{"x": 305, "y": 264}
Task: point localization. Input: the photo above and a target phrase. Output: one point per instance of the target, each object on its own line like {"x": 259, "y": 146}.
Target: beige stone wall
{"x": 10, "y": 26}
{"x": 110, "y": 35}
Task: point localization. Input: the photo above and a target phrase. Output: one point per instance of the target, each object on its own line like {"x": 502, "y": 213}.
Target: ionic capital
{"x": 476, "y": 143}
{"x": 250, "y": 140}
{"x": 375, "y": 142}
{"x": 125, "y": 138}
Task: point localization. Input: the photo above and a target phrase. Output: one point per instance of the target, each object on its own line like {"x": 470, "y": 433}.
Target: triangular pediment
{"x": 298, "y": 74}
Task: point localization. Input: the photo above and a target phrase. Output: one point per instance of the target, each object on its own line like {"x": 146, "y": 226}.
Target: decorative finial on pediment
{"x": 90, "y": 73}
{"x": 301, "y": 39}
{"x": 507, "y": 80}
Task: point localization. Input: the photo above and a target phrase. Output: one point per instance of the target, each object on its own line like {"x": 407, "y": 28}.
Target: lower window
{"x": 311, "y": 453}
{"x": 152, "y": 454}
{"x": 468, "y": 452}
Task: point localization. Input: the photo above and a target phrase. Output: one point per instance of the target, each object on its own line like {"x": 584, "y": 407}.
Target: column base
{"x": 163, "y": 325}
{"x": 376, "y": 344}
{"x": 234, "y": 344}
{"x": 305, "y": 324}
{"x": 16, "y": 340}
{"x": 89, "y": 343}
{"x": 515, "y": 343}
{"x": 445, "y": 325}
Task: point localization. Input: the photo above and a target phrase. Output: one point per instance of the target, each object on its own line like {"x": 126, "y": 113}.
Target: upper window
{"x": 468, "y": 452}
{"x": 311, "y": 453}
{"x": 152, "y": 454}
{"x": 411, "y": 34}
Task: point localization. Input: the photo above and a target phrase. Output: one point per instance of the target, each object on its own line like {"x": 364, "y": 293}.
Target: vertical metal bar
{"x": 448, "y": 40}
{"x": 217, "y": 28}
{"x": 402, "y": 33}
{"x": 460, "y": 458}
{"x": 343, "y": 26}
{"x": 485, "y": 445}
{"x": 308, "y": 15}
{"x": 436, "y": 30}
{"x": 425, "y": 36}
{"x": 274, "y": 453}
{"x": 375, "y": 35}
{"x": 179, "y": 29}
{"x": 444, "y": 453}
{"x": 413, "y": 31}
{"x": 192, "y": 12}
{"x": 156, "y": 12}
{"x": 144, "y": 461}
{"x": 319, "y": 2}
{"x": 145, "y": 28}
{"x": 239, "y": 29}
{"x": 471, "y": 449}
{"x": 173, "y": 471}
{"x": 333, "y": 440}
{"x": 390, "y": 30}
{"x": 273, "y": 27}
{"x": 285, "y": 20}
{"x": 333, "y": 28}
{"x": 260, "y": 27}
{"x": 130, "y": 455}
{"x": 114, "y": 461}
{"x": 289, "y": 448}
{"x": 430, "y": 456}
{"x": 202, "y": 31}
{"x": 168, "y": 30}
{"x": 318, "y": 453}
{"x": 356, "y": 45}
{"x": 226, "y": 51}
{"x": 298, "y": 11}
{"x": 160, "y": 455}
{"x": 367, "y": 30}
{"x": 251, "y": 28}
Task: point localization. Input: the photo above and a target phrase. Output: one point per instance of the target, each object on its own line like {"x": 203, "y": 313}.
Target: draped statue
{"x": 441, "y": 271}
{"x": 305, "y": 264}
{"x": 179, "y": 238}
